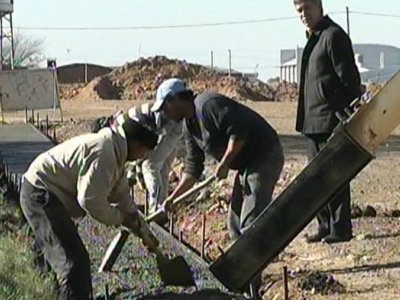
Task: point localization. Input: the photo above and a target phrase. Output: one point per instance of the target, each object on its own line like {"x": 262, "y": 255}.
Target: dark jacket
{"x": 329, "y": 80}
{"x": 218, "y": 119}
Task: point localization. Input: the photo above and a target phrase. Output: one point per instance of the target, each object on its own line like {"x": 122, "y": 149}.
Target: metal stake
{"x": 285, "y": 283}
{"x": 203, "y": 236}
{"x": 146, "y": 202}
{"x": 171, "y": 224}
{"x": 106, "y": 292}
{"x": 47, "y": 124}
{"x": 221, "y": 251}
{"x": 180, "y": 236}
{"x": 54, "y": 133}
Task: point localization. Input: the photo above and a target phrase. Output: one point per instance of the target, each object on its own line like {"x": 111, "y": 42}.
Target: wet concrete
{"x": 135, "y": 274}
{"x": 19, "y": 146}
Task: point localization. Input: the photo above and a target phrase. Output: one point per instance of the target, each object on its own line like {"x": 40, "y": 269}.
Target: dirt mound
{"x": 68, "y": 91}
{"x": 138, "y": 80}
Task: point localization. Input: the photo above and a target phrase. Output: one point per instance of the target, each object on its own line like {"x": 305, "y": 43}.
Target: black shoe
{"x": 333, "y": 238}
{"x": 315, "y": 238}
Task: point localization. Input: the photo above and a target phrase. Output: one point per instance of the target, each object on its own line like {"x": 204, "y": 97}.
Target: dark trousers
{"x": 335, "y": 218}
{"x": 252, "y": 190}
{"x": 251, "y": 194}
{"x": 57, "y": 237}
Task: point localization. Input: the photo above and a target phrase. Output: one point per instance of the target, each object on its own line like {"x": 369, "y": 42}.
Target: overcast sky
{"x": 254, "y": 46}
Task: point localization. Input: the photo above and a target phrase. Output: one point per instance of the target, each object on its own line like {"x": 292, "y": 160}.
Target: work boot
{"x": 315, "y": 238}
{"x": 334, "y": 238}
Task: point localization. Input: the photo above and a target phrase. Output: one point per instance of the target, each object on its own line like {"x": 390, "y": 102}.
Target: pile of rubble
{"x": 317, "y": 282}
{"x": 138, "y": 80}
{"x": 68, "y": 91}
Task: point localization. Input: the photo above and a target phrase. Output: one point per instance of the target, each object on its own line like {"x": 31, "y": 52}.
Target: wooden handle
{"x": 113, "y": 251}
{"x": 182, "y": 197}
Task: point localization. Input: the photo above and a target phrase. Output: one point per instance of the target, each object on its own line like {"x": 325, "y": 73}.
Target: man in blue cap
{"x": 236, "y": 136}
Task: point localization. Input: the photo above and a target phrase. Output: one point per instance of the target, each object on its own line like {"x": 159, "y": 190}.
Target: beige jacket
{"x": 86, "y": 174}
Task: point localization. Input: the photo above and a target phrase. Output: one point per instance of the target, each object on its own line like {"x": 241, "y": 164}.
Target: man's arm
{"x": 93, "y": 189}
{"x": 341, "y": 54}
{"x": 232, "y": 150}
{"x": 194, "y": 166}
{"x": 186, "y": 182}
{"x": 222, "y": 112}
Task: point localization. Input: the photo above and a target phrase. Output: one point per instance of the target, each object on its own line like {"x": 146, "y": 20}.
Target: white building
{"x": 374, "y": 61}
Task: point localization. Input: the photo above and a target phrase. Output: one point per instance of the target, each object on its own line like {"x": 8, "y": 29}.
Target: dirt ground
{"x": 368, "y": 267}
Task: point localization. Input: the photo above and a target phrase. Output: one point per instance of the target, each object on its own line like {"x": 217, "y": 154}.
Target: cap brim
{"x": 157, "y": 106}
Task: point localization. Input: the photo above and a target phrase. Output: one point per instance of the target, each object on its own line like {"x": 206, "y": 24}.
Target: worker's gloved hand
{"x": 222, "y": 171}
{"x": 135, "y": 224}
{"x": 148, "y": 238}
{"x": 131, "y": 222}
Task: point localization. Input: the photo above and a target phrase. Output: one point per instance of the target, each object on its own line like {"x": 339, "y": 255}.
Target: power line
{"x": 374, "y": 14}
{"x": 163, "y": 26}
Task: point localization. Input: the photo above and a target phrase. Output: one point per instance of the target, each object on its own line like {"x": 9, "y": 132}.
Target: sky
{"x": 254, "y": 46}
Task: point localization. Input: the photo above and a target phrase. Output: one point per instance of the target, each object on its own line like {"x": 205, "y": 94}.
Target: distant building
{"x": 250, "y": 76}
{"x": 80, "y": 72}
{"x": 375, "y": 62}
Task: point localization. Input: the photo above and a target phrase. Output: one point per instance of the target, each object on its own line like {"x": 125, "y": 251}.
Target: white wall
{"x": 32, "y": 89}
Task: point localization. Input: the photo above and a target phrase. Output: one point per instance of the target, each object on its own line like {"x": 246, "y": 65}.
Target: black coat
{"x": 329, "y": 79}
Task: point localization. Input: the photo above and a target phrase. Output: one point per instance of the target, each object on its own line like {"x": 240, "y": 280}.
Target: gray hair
{"x": 315, "y": 2}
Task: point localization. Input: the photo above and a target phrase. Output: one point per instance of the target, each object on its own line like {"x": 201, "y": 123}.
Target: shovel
{"x": 166, "y": 266}
{"x": 173, "y": 271}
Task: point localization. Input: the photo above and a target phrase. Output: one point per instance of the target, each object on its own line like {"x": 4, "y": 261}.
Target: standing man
{"x": 329, "y": 82}
{"x": 237, "y": 137}
{"x": 84, "y": 175}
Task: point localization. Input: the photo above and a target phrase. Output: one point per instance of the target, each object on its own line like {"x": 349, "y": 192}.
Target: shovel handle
{"x": 184, "y": 196}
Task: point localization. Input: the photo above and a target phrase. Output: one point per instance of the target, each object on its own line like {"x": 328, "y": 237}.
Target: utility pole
{"x": 230, "y": 62}
{"x": 348, "y": 20}
{"x": 86, "y": 72}
{"x": 212, "y": 60}
{"x": 6, "y": 34}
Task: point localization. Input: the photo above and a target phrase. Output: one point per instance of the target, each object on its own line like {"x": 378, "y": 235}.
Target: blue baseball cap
{"x": 169, "y": 87}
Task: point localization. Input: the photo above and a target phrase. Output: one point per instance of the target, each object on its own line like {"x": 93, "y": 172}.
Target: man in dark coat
{"x": 329, "y": 82}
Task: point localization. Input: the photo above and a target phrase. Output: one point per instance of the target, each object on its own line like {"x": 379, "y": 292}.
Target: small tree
{"x": 28, "y": 51}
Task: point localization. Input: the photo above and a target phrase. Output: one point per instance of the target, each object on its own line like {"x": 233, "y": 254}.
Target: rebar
{"x": 106, "y": 292}
{"x": 171, "y": 224}
{"x": 203, "y": 236}
{"x": 47, "y": 125}
{"x": 180, "y": 236}
{"x": 285, "y": 283}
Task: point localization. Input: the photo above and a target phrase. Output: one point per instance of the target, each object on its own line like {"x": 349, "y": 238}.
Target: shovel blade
{"x": 175, "y": 271}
